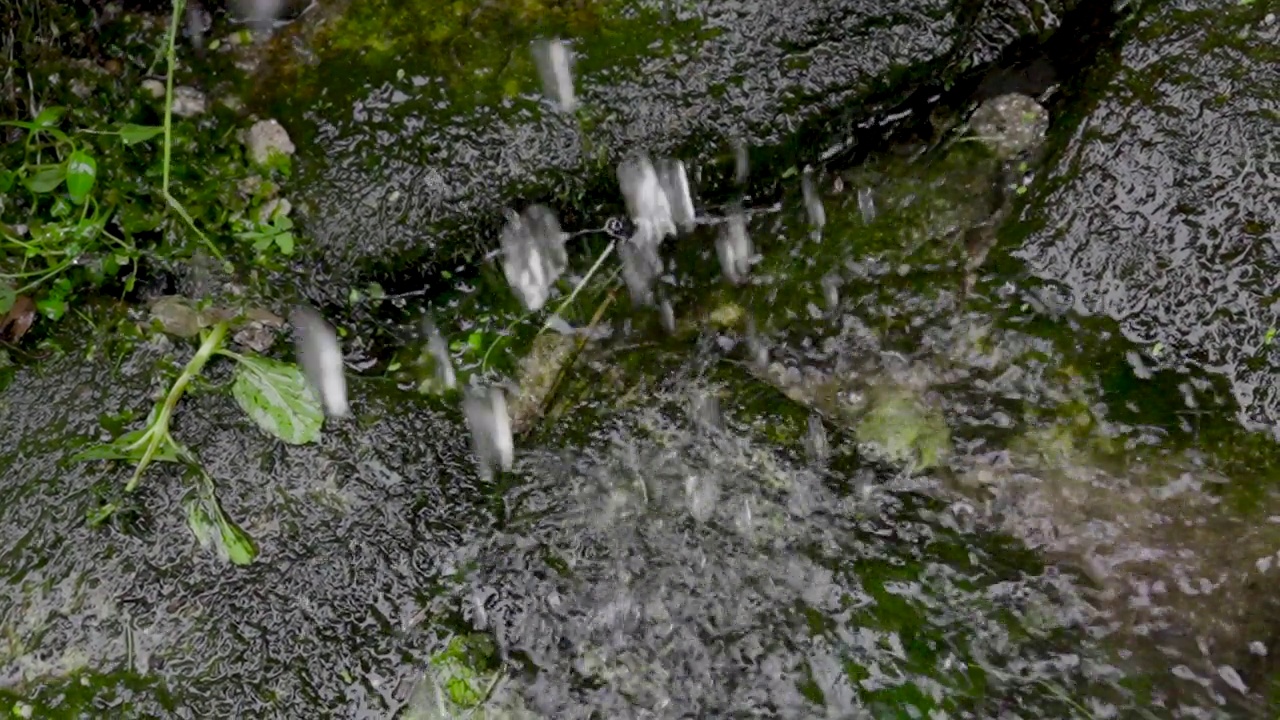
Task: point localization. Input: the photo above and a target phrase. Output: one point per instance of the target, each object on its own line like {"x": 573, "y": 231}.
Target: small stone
{"x": 176, "y": 316}
{"x": 272, "y": 209}
{"x": 256, "y": 336}
{"x": 189, "y": 102}
{"x": 153, "y": 87}
{"x": 267, "y": 139}
{"x": 1010, "y": 124}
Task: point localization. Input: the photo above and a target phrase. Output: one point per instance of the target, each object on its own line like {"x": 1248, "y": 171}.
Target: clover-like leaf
{"x": 276, "y": 396}
{"x": 82, "y": 171}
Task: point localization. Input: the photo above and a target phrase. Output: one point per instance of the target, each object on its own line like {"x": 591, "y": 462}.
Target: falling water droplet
{"x": 733, "y": 247}
{"x": 867, "y": 205}
{"x": 490, "y": 425}
{"x": 816, "y": 440}
{"x": 675, "y": 184}
{"x": 831, "y": 290}
{"x": 442, "y": 372}
{"x": 260, "y": 14}
{"x": 320, "y": 355}
{"x": 812, "y": 203}
{"x": 646, "y": 199}
{"x": 740, "y": 162}
{"x": 667, "y": 316}
{"x": 553, "y": 60}
{"x": 533, "y": 254}
{"x": 703, "y": 493}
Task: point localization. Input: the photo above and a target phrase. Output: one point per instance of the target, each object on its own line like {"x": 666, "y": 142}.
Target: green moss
{"x": 903, "y": 431}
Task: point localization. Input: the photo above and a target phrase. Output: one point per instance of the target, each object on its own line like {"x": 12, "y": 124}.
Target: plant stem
{"x": 159, "y": 431}
{"x": 171, "y": 55}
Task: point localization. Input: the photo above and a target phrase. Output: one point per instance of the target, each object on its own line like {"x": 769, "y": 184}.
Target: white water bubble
{"x": 320, "y": 355}
{"x": 816, "y": 442}
{"x": 533, "y": 254}
{"x": 490, "y": 425}
{"x": 734, "y": 248}
{"x": 554, "y": 62}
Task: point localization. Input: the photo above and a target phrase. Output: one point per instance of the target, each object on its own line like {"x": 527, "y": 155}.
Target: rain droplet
{"x": 667, "y": 316}
{"x": 320, "y": 355}
{"x": 438, "y": 357}
{"x": 867, "y": 204}
{"x": 812, "y": 203}
{"x": 831, "y": 290}
{"x": 646, "y": 199}
{"x": 733, "y": 247}
{"x": 816, "y": 440}
{"x": 675, "y": 184}
{"x": 703, "y": 494}
{"x": 553, "y": 60}
{"x": 490, "y": 425}
{"x": 641, "y": 264}
{"x": 533, "y": 254}
{"x": 740, "y": 162}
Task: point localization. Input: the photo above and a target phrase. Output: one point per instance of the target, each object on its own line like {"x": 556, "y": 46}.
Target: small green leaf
{"x": 46, "y": 180}
{"x": 284, "y": 241}
{"x": 131, "y": 134}
{"x": 52, "y": 307}
{"x": 82, "y": 170}
{"x": 50, "y": 117}
{"x": 7, "y": 179}
{"x": 7, "y": 298}
{"x": 214, "y": 530}
{"x": 476, "y": 340}
{"x": 276, "y": 396}
{"x": 128, "y": 446}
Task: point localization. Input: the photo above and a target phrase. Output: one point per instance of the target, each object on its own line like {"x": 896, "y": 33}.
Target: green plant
{"x": 86, "y": 193}
{"x": 273, "y": 394}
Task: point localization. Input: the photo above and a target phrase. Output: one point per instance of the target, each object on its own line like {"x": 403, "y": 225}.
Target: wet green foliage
{"x": 95, "y": 190}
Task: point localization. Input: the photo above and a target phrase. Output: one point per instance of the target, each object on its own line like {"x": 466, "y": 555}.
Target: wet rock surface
{"x": 1161, "y": 212}
{"x": 419, "y": 148}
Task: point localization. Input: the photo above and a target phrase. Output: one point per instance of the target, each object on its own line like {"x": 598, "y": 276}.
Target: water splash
{"x": 554, "y": 63}
{"x": 490, "y": 425}
{"x": 533, "y": 254}
{"x": 320, "y": 355}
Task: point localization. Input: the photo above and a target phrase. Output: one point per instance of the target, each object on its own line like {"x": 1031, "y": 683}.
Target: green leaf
{"x": 82, "y": 170}
{"x": 284, "y": 241}
{"x": 46, "y": 180}
{"x": 214, "y": 530}
{"x": 7, "y": 179}
{"x": 132, "y": 134}
{"x": 276, "y": 396}
{"x": 50, "y": 117}
{"x": 128, "y": 446}
{"x": 52, "y": 307}
{"x": 7, "y": 298}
